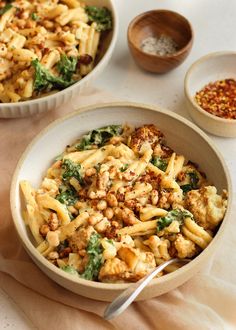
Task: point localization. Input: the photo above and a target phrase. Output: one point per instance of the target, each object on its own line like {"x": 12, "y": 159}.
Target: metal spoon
{"x": 120, "y": 304}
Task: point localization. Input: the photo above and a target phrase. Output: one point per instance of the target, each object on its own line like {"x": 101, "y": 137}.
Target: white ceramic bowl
{"x": 182, "y": 136}
{"x": 210, "y": 68}
{"x": 46, "y": 103}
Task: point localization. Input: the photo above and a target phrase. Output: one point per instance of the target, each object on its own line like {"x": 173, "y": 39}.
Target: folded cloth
{"x": 207, "y": 301}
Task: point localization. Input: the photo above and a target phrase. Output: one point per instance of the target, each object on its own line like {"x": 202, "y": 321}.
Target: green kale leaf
{"x": 72, "y": 170}
{"x": 102, "y": 16}
{"x": 34, "y": 17}
{"x": 45, "y": 80}
{"x": 67, "y": 66}
{"x": 124, "y": 167}
{"x": 98, "y": 137}
{"x": 193, "y": 182}
{"x": 5, "y": 8}
{"x": 67, "y": 195}
{"x": 69, "y": 269}
{"x": 159, "y": 162}
{"x": 173, "y": 215}
{"x": 94, "y": 250}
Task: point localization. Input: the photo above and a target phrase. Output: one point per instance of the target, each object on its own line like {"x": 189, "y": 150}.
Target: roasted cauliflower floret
{"x": 132, "y": 265}
{"x": 159, "y": 247}
{"x": 185, "y": 248}
{"x": 146, "y": 263}
{"x": 79, "y": 240}
{"x": 207, "y": 207}
{"x": 129, "y": 255}
{"x": 114, "y": 270}
{"x": 145, "y": 134}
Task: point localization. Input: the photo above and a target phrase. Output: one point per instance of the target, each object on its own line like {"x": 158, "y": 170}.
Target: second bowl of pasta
{"x": 125, "y": 188}
{"x": 51, "y": 50}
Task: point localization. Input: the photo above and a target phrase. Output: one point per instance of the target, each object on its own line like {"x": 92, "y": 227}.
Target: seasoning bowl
{"x": 173, "y": 27}
{"x": 209, "y": 69}
{"x": 182, "y": 136}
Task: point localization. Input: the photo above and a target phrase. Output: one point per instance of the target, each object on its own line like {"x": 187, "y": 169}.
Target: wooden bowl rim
{"x": 146, "y": 13}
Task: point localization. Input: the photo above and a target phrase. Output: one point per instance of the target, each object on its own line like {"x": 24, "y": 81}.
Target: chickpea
{"x": 44, "y": 229}
{"x": 82, "y": 252}
{"x": 101, "y": 205}
{"x": 154, "y": 197}
{"x": 102, "y": 226}
{"x": 109, "y": 213}
{"x": 112, "y": 200}
{"x": 90, "y": 171}
{"x": 53, "y": 222}
{"x": 97, "y": 194}
{"x": 95, "y": 218}
{"x": 73, "y": 210}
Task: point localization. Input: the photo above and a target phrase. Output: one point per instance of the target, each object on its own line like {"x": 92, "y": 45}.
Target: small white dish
{"x": 210, "y": 68}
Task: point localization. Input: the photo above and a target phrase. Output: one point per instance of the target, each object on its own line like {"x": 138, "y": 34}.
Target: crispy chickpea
{"x": 73, "y": 210}
{"x": 97, "y": 194}
{"x": 112, "y": 200}
{"x": 90, "y": 171}
{"x": 109, "y": 213}
{"x": 82, "y": 252}
{"x": 65, "y": 253}
{"x": 95, "y": 218}
{"x": 101, "y": 205}
{"x": 154, "y": 197}
{"x": 102, "y": 226}
{"x": 44, "y": 229}
{"x": 53, "y": 222}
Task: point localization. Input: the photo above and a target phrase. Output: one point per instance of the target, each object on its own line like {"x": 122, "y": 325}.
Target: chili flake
{"x": 219, "y": 98}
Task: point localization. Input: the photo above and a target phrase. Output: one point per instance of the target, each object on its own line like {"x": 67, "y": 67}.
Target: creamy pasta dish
{"x": 47, "y": 45}
{"x": 118, "y": 202}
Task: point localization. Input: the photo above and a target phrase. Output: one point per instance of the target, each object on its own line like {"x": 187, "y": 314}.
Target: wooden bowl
{"x": 155, "y": 23}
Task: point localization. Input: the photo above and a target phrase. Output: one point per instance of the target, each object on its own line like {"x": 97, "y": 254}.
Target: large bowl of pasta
{"x": 51, "y": 50}
{"x": 107, "y": 193}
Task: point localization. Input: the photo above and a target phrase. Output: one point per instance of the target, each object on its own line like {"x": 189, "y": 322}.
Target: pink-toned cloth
{"x": 207, "y": 301}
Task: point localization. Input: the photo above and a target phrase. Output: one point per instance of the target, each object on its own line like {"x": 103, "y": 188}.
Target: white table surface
{"x": 214, "y": 26}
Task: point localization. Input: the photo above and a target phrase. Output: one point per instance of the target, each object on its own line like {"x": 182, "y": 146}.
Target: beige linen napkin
{"x": 207, "y": 301}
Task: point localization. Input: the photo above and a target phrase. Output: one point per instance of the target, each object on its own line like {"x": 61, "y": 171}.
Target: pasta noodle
{"x": 55, "y": 42}
{"x": 110, "y": 208}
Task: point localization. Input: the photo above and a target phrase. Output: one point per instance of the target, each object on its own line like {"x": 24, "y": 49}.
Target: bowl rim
{"x": 156, "y": 56}
{"x": 82, "y": 81}
{"x": 35, "y": 255}
{"x": 187, "y": 79}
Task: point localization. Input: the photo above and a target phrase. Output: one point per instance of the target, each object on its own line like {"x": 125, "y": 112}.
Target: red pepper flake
{"x": 219, "y": 98}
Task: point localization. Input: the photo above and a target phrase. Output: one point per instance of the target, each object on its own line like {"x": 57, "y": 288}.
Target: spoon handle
{"x": 128, "y": 296}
